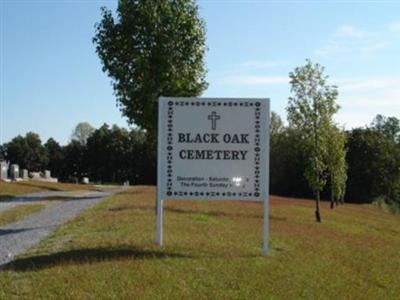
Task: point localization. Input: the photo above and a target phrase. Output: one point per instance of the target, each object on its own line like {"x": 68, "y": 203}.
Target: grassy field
{"x": 212, "y": 251}
{"x": 19, "y": 212}
{"x": 10, "y": 189}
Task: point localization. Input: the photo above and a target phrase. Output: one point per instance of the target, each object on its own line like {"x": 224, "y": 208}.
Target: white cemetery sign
{"x": 215, "y": 149}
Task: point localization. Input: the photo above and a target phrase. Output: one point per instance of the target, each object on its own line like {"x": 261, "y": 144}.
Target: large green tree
{"x": 152, "y": 48}
{"x": 310, "y": 110}
{"x": 28, "y": 152}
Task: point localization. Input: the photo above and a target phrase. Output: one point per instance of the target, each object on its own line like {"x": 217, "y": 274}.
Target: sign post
{"x": 212, "y": 148}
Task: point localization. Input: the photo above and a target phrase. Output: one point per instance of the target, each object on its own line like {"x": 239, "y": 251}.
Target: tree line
{"x": 372, "y": 162}
{"x": 105, "y": 155}
{"x": 114, "y": 154}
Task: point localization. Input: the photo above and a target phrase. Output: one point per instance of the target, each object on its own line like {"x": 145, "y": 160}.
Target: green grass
{"x": 19, "y": 212}
{"x": 11, "y": 189}
{"x": 212, "y": 251}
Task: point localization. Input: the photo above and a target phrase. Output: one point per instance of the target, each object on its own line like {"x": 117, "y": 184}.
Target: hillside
{"x": 212, "y": 251}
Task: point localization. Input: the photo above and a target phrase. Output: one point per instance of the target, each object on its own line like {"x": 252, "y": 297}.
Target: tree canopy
{"x": 55, "y": 156}
{"x": 82, "y": 132}
{"x": 26, "y": 151}
{"x": 336, "y": 164}
{"x": 150, "y": 49}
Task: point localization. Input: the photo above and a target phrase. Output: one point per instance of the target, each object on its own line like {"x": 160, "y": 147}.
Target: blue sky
{"x": 51, "y": 77}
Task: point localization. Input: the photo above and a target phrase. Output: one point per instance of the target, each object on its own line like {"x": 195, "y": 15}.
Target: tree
{"x": 28, "y": 152}
{"x": 276, "y": 126}
{"x": 374, "y": 166}
{"x": 310, "y": 110}
{"x": 116, "y": 155}
{"x": 3, "y": 149}
{"x": 389, "y": 126}
{"x": 287, "y": 163}
{"x": 336, "y": 164}
{"x": 152, "y": 48}
{"x": 82, "y": 132}
{"x": 98, "y": 155}
{"x": 74, "y": 164}
{"x": 55, "y": 156}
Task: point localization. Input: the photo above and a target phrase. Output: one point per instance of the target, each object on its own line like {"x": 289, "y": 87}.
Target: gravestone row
{"x": 14, "y": 173}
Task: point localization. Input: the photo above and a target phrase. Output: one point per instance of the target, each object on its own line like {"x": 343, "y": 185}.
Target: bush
{"x": 390, "y": 206}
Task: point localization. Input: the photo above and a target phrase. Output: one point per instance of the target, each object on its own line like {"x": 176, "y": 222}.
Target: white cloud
{"x": 388, "y": 103}
{"x": 348, "y": 31}
{"x": 251, "y": 72}
{"x": 395, "y": 26}
{"x": 362, "y": 99}
{"x": 348, "y": 39}
{"x": 254, "y": 80}
{"x": 359, "y": 110}
{"x": 368, "y": 84}
{"x": 260, "y": 64}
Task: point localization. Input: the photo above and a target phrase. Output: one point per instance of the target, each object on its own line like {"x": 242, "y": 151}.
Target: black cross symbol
{"x": 214, "y": 117}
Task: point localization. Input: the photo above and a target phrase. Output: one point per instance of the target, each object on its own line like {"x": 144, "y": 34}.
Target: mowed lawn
{"x": 212, "y": 251}
{"x": 10, "y": 189}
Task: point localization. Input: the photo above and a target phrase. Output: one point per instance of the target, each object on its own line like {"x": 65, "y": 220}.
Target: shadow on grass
{"x": 5, "y": 197}
{"x": 82, "y": 256}
{"x": 13, "y": 231}
{"x": 69, "y": 198}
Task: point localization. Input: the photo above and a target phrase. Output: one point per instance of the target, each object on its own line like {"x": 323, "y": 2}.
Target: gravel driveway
{"x": 18, "y": 237}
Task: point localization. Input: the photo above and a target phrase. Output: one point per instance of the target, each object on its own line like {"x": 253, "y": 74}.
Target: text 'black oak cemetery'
{"x": 211, "y": 148}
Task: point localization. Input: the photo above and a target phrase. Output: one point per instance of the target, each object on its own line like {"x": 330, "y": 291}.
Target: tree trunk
{"x": 317, "y": 209}
{"x": 318, "y": 175}
{"x": 332, "y": 195}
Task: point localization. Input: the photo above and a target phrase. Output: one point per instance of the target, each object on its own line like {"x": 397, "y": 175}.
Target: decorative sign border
{"x": 171, "y": 103}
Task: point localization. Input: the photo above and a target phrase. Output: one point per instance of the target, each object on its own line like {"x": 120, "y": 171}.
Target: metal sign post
{"x": 160, "y": 213}
{"x": 266, "y": 200}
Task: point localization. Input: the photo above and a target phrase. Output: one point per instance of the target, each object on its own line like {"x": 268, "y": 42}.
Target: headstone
{"x": 3, "y": 170}
{"x": 47, "y": 174}
{"x": 14, "y": 172}
{"x": 35, "y": 175}
{"x": 213, "y": 149}
{"x": 85, "y": 180}
{"x": 25, "y": 174}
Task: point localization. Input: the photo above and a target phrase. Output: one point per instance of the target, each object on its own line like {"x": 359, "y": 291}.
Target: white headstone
{"x": 25, "y": 175}
{"x": 216, "y": 149}
{"x": 47, "y": 174}
{"x": 35, "y": 175}
{"x": 3, "y": 170}
{"x": 14, "y": 171}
